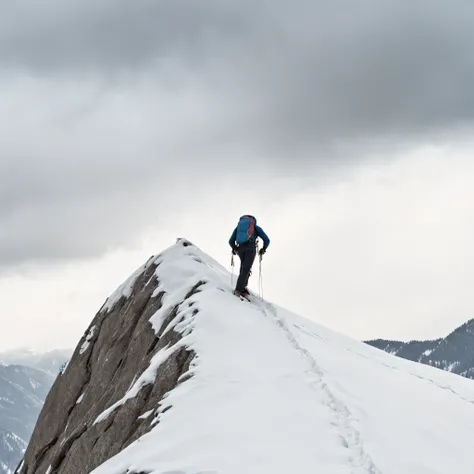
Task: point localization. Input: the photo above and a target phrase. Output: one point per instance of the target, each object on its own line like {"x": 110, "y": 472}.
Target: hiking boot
{"x": 242, "y": 294}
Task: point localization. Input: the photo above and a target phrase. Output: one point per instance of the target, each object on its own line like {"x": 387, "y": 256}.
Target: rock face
{"x": 119, "y": 344}
{"x": 454, "y": 353}
{"x": 22, "y": 393}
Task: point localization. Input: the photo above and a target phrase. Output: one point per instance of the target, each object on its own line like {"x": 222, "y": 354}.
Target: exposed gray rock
{"x": 118, "y": 345}
{"x": 454, "y": 353}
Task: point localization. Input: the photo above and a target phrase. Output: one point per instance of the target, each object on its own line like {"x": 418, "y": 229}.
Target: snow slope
{"x": 273, "y": 393}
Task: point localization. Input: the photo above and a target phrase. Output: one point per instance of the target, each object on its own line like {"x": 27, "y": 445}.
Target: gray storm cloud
{"x": 314, "y": 70}
{"x": 103, "y": 99}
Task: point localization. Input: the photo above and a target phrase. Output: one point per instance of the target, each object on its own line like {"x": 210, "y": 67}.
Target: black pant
{"x": 246, "y": 253}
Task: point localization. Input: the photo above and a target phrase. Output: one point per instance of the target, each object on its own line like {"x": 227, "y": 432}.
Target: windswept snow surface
{"x": 273, "y": 393}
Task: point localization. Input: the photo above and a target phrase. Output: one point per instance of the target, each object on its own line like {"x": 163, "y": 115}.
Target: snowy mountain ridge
{"x": 22, "y": 393}
{"x": 25, "y": 379}
{"x": 49, "y": 362}
{"x": 454, "y": 353}
{"x": 176, "y": 375}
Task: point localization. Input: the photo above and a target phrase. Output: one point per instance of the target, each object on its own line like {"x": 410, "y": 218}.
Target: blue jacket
{"x": 258, "y": 232}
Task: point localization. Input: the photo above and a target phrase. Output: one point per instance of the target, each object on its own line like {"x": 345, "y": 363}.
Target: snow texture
{"x": 274, "y": 393}
{"x": 63, "y": 368}
{"x": 146, "y": 415}
{"x": 87, "y": 342}
{"x": 452, "y": 366}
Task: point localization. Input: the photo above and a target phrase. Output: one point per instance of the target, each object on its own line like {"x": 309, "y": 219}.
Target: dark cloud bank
{"x": 106, "y": 100}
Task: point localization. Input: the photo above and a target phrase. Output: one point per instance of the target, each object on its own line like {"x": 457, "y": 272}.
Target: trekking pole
{"x": 232, "y": 265}
{"x": 260, "y": 279}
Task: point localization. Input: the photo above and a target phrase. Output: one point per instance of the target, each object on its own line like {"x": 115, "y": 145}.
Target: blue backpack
{"x": 246, "y": 229}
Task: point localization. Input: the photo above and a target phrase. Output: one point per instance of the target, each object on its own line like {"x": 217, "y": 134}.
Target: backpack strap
{"x": 251, "y": 229}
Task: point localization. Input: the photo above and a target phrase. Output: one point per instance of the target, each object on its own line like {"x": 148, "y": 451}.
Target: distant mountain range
{"x": 454, "y": 353}
{"x": 49, "y": 362}
{"x": 25, "y": 379}
{"x": 22, "y": 394}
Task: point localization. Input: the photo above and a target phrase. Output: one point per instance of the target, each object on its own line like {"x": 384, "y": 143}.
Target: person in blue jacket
{"x": 244, "y": 243}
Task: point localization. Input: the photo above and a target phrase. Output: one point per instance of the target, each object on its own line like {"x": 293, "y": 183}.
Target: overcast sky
{"x": 343, "y": 126}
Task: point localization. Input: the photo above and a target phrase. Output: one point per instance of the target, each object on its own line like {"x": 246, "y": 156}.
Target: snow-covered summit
{"x": 176, "y": 375}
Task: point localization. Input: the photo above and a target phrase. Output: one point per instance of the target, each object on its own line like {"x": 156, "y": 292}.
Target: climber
{"x": 244, "y": 243}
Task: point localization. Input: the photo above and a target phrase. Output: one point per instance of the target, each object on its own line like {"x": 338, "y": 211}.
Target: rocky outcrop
{"x": 87, "y": 417}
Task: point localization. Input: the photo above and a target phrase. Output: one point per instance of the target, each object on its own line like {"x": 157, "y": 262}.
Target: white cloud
{"x": 386, "y": 251}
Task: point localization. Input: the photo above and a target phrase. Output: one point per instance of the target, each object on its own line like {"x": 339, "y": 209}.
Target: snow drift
{"x": 176, "y": 375}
